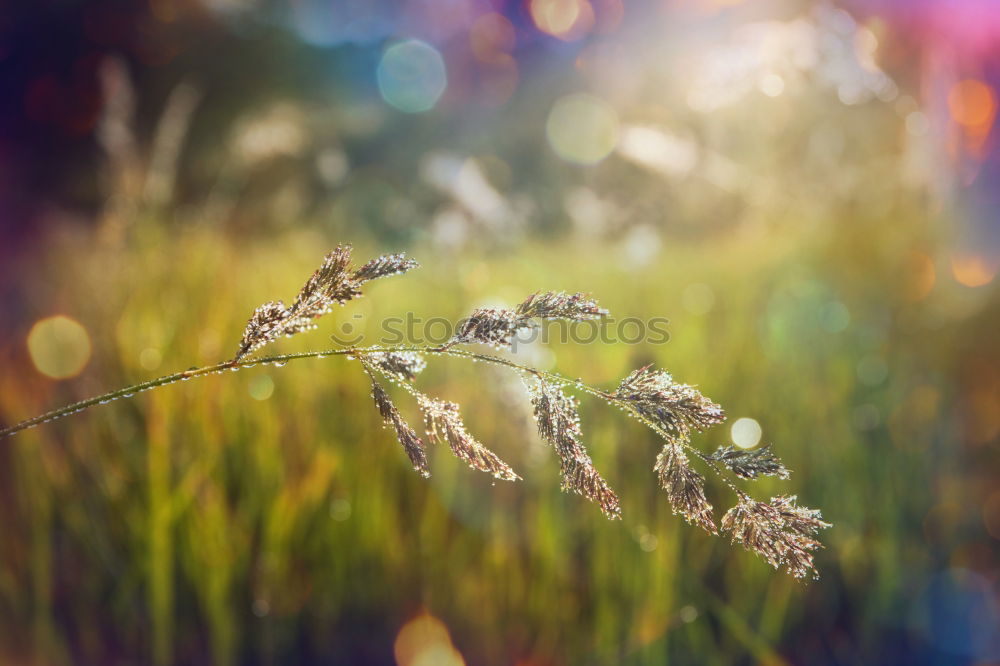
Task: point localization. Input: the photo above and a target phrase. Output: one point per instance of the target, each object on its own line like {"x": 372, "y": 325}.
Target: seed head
{"x": 559, "y": 425}
{"x": 677, "y": 408}
{"x": 685, "y": 487}
{"x": 750, "y": 463}
{"x": 490, "y": 326}
{"x": 560, "y": 305}
{"x": 498, "y": 326}
{"x": 384, "y": 266}
{"x": 411, "y": 443}
{"x": 401, "y": 365}
{"x": 444, "y": 425}
{"x": 333, "y": 282}
{"x": 780, "y": 532}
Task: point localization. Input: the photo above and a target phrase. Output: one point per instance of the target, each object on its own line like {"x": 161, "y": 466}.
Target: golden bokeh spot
{"x": 425, "y": 641}
{"x": 973, "y": 270}
{"x": 59, "y": 347}
{"x": 568, "y": 20}
{"x": 972, "y": 103}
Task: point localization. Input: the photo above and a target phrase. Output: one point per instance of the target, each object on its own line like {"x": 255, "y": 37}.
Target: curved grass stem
{"x": 444, "y": 350}
{"x": 129, "y": 391}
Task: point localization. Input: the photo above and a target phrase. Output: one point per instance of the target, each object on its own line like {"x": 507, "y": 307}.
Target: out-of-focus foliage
{"x": 804, "y": 197}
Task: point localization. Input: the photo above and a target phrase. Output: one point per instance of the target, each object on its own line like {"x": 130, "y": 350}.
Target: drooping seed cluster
{"x": 559, "y": 424}
{"x": 498, "y": 326}
{"x": 685, "y": 487}
{"x": 445, "y": 426}
{"x": 750, "y": 463}
{"x": 411, "y": 442}
{"x": 333, "y": 282}
{"x": 779, "y": 531}
{"x": 674, "y": 410}
{"x": 443, "y": 421}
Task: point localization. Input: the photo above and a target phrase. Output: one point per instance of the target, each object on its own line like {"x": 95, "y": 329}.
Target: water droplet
{"x": 280, "y": 364}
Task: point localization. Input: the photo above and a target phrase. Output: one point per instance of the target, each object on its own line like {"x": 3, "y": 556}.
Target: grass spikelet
{"x": 677, "y": 408}
{"x": 498, "y": 326}
{"x": 559, "y": 424}
{"x": 445, "y": 426}
{"x": 384, "y": 266}
{"x": 407, "y": 437}
{"x": 750, "y": 463}
{"x": 401, "y": 365}
{"x": 489, "y": 326}
{"x": 779, "y": 531}
{"x": 333, "y": 282}
{"x": 685, "y": 487}
{"x": 560, "y": 305}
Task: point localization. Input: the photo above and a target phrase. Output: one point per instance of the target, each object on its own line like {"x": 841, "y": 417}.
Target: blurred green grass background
{"x": 199, "y": 523}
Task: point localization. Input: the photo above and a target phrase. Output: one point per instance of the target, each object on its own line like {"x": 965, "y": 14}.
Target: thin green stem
{"x": 129, "y": 391}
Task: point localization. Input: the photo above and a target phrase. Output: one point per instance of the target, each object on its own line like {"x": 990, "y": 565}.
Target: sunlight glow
{"x": 425, "y": 641}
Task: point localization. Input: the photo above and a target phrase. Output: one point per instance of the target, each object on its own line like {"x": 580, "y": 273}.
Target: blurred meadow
{"x": 807, "y": 190}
